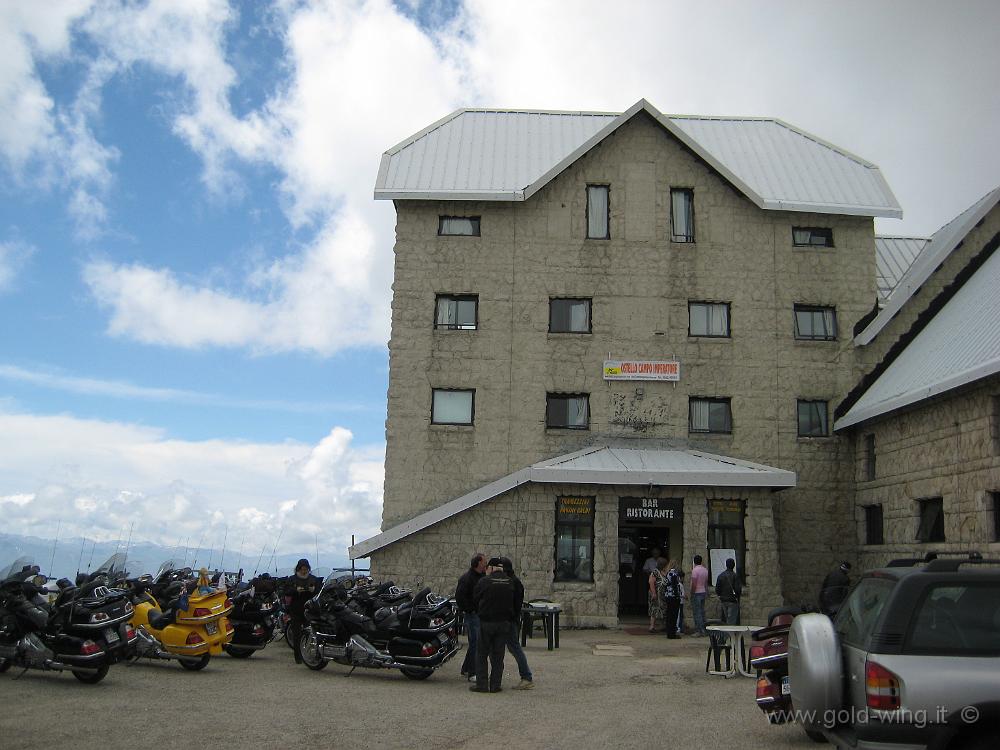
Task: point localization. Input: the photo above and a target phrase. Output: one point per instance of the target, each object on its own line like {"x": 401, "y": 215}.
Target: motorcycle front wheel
{"x": 417, "y": 674}
{"x": 92, "y": 678}
{"x": 310, "y": 653}
{"x": 196, "y": 664}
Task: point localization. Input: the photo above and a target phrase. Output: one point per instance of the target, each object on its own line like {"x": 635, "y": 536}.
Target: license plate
{"x": 212, "y": 627}
{"x": 110, "y": 635}
{"x": 786, "y": 688}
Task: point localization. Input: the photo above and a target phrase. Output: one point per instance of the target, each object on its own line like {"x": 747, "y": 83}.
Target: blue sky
{"x": 194, "y": 278}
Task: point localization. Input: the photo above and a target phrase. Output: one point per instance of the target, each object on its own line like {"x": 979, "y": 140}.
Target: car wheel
{"x": 92, "y": 678}
{"x": 195, "y": 665}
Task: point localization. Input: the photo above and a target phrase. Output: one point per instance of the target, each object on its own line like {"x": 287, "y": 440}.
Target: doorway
{"x": 645, "y": 524}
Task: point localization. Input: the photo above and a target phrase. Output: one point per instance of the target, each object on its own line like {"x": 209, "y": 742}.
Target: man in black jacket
{"x": 494, "y": 597}
{"x": 730, "y": 590}
{"x": 297, "y": 589}
{"x": 513, "y": 641}
{"x": 467, "y": 605}
{"x": 834, "y": 589}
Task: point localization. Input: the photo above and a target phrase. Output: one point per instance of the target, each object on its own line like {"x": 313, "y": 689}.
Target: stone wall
{"x": 948, "y": 447}
{"x": 640, "y": 282}
{"x": 520, "y": 524}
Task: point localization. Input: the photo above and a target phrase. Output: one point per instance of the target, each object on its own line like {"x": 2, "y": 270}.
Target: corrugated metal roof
{"x": 600, "y": 465}
{"x": 940, "y": 246}
{"x": 508, "y": 155}
{"x": 960, "y": 345}
{"x": 893, "y": 256}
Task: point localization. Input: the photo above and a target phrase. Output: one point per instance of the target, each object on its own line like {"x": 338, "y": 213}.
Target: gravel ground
{"x": 585, "y": 696}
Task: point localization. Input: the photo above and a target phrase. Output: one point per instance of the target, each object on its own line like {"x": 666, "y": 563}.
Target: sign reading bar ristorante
{"x": 650, "y": 509}
{"x": 635, "y": 369}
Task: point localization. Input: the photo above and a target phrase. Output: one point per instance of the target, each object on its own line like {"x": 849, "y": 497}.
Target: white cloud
{"x": 13, "y": 256}
{"x": 94, "y": 478}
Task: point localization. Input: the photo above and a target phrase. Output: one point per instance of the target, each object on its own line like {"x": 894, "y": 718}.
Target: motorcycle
{"x": 769, "y": 656}
{"x": 190, "y": 628}
{"x": 254, "y": 616}
{"x": 85, "y": 630}
{"x": 416, "y": 637}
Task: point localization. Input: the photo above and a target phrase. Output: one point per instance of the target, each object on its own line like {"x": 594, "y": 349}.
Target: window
{"x": 813, "y": 421}
{"x": 569, "y": 411}
{"x": 598, "y": 212}
{"x": 710, "y": 415}
{"x": 682, "y": 215}
{"x": 456, "y": 313}
{"x": 574, "y": 539}
{"x": 859, "y": 613}
{"x": 726, "y": 531}
{"x": 452, "y": 406}
{"x": 814, "y": 323}
{"x": 708, "y": 319}
{"x": 957, "y": 619}
{"x": 874, "y": 528}
{"x": 569, "y": 315}
{"x": 462, "y": 226}
{"x": 931, "y": 528}
{"x": 995, "y": 507}
{"x": 995, "y": 423}
{"x": 869, "y": 458}
{"x": 812, "y": 237}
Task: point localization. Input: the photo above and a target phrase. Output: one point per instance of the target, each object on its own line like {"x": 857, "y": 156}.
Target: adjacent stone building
{"x": 614, "y": 332}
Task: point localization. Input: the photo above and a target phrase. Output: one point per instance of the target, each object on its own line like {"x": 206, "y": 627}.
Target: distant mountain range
{"x": 76, "y": 554}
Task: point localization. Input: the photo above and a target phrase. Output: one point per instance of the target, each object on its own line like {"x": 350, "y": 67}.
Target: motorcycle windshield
{"x": 165, "y": 567}
{"x": 113, "y": 567}
{"x": 21, "y": 569}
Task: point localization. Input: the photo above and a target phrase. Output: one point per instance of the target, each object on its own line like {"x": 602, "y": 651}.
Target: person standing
{"x": 671, "y": 595}
{"x": 494, "y": 597}
{"x": 699, "y": 590}
{"x": 655, "y": 587}
{"x": 729, "y": 589}
{"x": 467, "y": 605}
{"x": 299, "y": 588}
{"x": 652, "y": 562}
{"x": 513, "y": 640}
{"x": 834, "y": 589}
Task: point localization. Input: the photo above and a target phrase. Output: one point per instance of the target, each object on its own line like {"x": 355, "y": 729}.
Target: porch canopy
{"x": 600, "y": 465}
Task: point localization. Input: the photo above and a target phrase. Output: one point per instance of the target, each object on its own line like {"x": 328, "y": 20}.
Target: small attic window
{"x": 812, "y": 237}
{"x": 460, "y": 226}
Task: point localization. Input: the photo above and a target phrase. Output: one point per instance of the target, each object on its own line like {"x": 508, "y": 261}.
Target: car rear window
{"x": 860, "y": 611}
{"x": 957, "y": 619}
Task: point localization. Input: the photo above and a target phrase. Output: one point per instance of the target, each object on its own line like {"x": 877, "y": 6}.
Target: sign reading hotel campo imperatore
{"x": 637, "y": 369}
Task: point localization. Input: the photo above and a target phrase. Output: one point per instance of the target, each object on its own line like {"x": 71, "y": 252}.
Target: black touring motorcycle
{"x": 347, "y": 626}
{"x": 254, "y": 616}
{"x": 85, "y": 630}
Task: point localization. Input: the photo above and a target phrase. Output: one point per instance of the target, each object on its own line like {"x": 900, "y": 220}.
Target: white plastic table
{"x": 738, "y": 664}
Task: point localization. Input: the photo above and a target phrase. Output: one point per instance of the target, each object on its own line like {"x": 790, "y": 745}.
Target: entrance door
{"x": 635, "y": 545}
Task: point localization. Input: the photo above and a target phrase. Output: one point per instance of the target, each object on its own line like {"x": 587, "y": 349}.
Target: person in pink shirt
{"x": 699, "y": 590}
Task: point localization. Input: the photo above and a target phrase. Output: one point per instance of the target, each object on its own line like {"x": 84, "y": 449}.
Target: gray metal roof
{"x": 600, "y": 465}
{"x": 961, "y": 344}
{"x": 508, "y": 155}
{"x": 893, "y": 256}
{"x": 941, "y": 244}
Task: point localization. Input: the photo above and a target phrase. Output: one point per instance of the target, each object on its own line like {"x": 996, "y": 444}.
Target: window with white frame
{"x": 813, "y": 418}
{"x": 569, "y": 315}
{"x": 682, "y": 215}
{"x": 458, "y": 226}
{"x": 456, "y": 312}
{"x": 453, "y": 406}
{"x": 709, "y": 319}
{"x": 570, "y": 411}
{"x": 812, "y": 237}
{"x": 710, "y": 415}
{"x": 815, "y": 323}
{"x": 598, "y": 212}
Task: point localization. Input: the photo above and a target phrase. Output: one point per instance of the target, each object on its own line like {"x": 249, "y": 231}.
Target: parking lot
{"x": 600, "y": 689}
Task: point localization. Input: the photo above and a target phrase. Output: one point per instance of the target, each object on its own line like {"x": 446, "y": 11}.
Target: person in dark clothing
{"x": 297, "y": 589}
{"x": 672, "y": 599}
{"x": 730, "y": 590}
{"x": 834, "y": 589}
{"x": 494, "y": 598}
{"x": 467, "y": 605}
{"x": 513, "y": 642}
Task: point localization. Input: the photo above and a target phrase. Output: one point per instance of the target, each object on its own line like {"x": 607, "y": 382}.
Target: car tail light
{"x": 201, "y": 612}
{"x": 100, "y": 617}
{"x": 881, "y": 687}
{"x": 89, "y": 648}
{"x": 429, "y": 649}
{"x": 767, "y": 690}
{"x": 194, "y": 639}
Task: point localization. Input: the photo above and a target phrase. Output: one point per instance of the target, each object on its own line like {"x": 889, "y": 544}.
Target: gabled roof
{"x": 600, "y": 465}
{"x": 941, "y": 244}
{"x": 959, "y": 345}
{"x": 509, "y": 155}
{"x": 893, "y": 256}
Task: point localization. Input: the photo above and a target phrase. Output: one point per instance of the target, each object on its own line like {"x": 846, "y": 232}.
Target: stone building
{"x": 613, "y": 332}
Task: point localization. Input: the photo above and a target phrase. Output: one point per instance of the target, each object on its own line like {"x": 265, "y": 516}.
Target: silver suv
{"x": 911, "y": 660}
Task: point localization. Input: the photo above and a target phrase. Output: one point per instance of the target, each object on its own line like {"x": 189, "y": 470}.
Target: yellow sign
{"x": 635, "y": 369}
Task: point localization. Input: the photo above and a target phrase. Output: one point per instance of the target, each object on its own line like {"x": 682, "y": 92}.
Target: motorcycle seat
{"x": 158, "y": 620}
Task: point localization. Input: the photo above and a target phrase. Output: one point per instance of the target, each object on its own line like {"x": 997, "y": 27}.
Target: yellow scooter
{"x": 189, "y": 629}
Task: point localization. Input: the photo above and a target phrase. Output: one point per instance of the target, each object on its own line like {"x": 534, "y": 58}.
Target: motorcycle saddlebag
{"x": 405, "y": 647}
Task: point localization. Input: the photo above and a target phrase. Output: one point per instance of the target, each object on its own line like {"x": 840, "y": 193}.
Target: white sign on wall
{"x": 638, "y": 369}
{"x": 717, "y": 558}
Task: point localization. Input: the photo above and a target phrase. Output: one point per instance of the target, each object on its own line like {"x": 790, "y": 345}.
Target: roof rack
{"x": 931, "y": 557}
{"x": 954, "y": 563}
